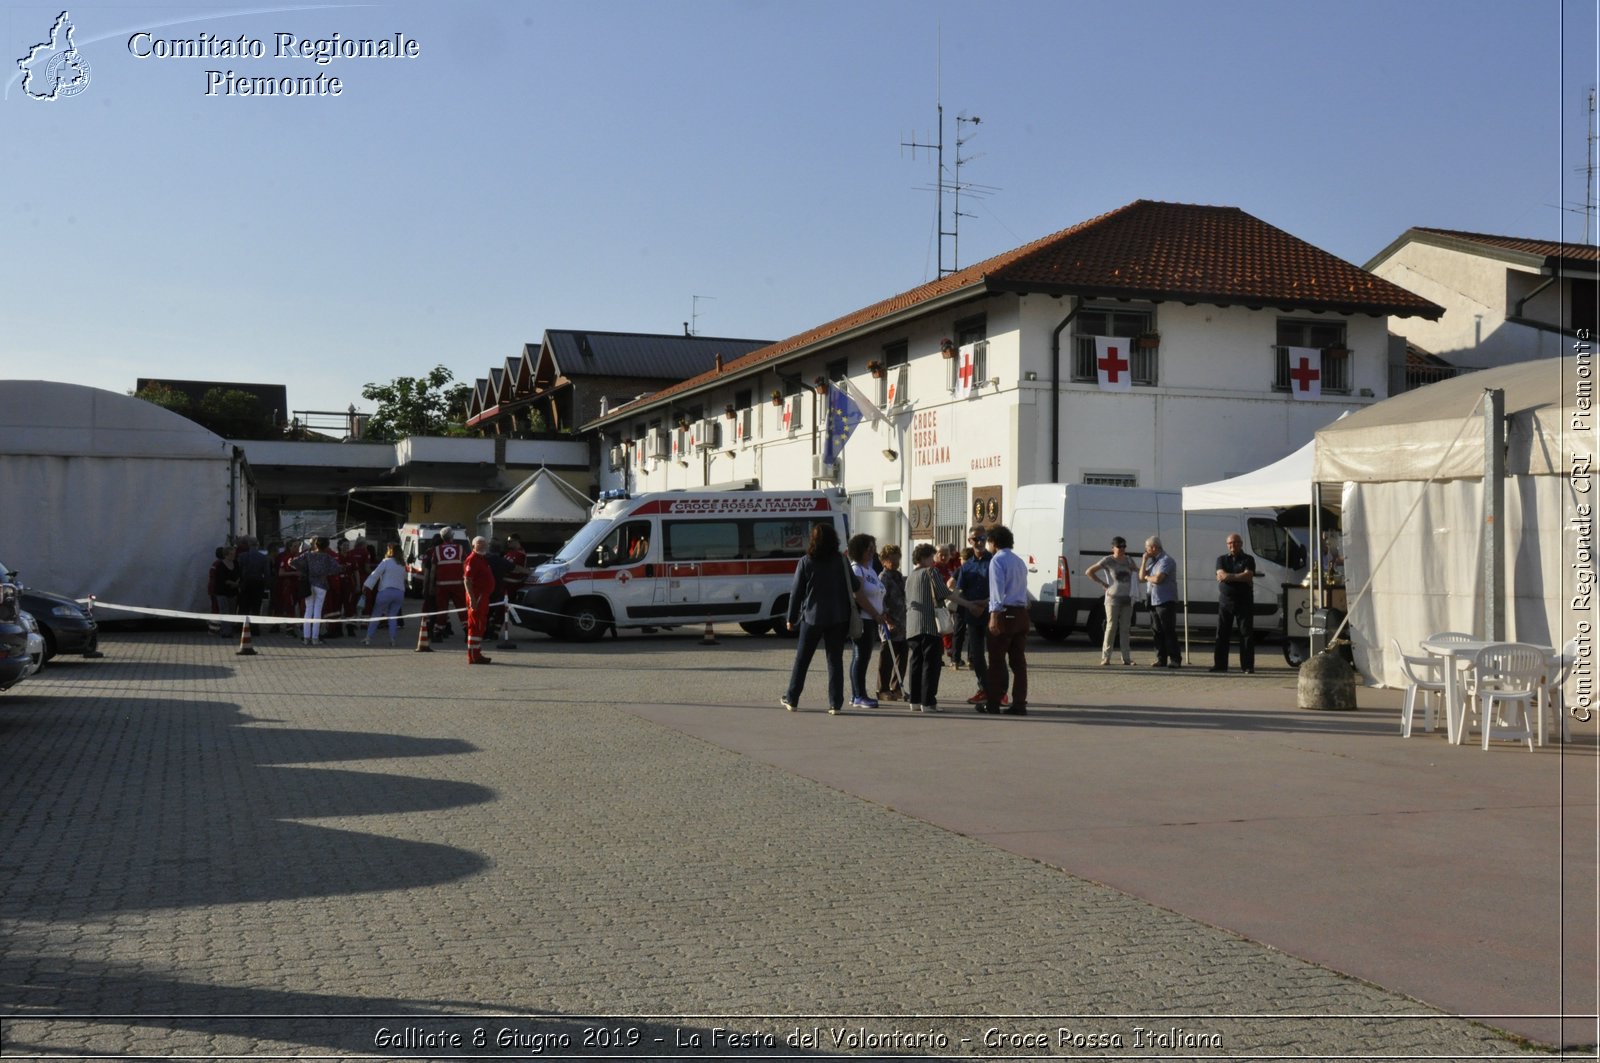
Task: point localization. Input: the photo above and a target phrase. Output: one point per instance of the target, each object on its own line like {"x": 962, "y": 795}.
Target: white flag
{"x": 966, "y": 368}
{"x": 1305, "y": 372}
{"x": 1112, "y": 362}
{"x": 868, "y": 409}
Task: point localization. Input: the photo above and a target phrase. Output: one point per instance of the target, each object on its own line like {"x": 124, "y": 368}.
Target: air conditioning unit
{"x": 708, "y": 434}
{"x": 619, "y": 456}
{"x": 794, "y": 413}
{"x": 656, "y": 445}
{"x": 824, "y": 470}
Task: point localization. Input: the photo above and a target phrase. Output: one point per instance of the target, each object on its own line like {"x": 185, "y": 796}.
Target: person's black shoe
{"x": 1015, "y": 710}
{"x": 1248, "y": 671}
{"x": 1159, "y": 664}
{"x": 1216, "y": 669}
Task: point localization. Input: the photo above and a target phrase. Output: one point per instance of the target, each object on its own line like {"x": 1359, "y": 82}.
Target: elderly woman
{"x": 821, "y": 601}
{"x": 870, "y": 600}
{"x": 925, "y": 592}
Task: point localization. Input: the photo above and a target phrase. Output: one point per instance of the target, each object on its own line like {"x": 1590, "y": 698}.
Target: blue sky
{"x": 597, "y": 165}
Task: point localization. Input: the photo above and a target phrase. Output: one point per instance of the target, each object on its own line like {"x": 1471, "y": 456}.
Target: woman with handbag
{"x": 926, "y": 620}
{"x": 869, "y": 599}
{"x": 822, "y": 609}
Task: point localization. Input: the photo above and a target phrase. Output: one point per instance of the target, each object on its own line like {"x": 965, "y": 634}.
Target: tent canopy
{"x": 1286, "y": 482}
{"x": 543, "y": 498}
{"x": 1406, "y": 437}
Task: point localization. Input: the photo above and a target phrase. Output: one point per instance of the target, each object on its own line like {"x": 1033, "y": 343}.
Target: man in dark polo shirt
{"x": 1236, "y": 573}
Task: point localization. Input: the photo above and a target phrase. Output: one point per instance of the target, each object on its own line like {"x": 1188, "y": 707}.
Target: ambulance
{"x": 414, "y": 540}
{"x": 679, "y": 557}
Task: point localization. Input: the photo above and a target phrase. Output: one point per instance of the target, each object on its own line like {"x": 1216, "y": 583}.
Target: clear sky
{"x": 597, "y": 165}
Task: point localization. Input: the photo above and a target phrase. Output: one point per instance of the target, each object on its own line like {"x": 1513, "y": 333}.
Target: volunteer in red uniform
{"x": 447, "y": 560}
{"x": 479, "y": 580}
{"x": 286, "y": 585}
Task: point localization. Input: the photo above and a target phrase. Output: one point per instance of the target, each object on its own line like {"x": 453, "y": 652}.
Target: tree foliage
{"x": 165, "y": 397}
{"x": 229, "y": 412}
{"x": 417, "y": 406}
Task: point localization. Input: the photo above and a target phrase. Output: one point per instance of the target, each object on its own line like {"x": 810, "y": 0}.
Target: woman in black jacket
{"x": 820, "y": 605}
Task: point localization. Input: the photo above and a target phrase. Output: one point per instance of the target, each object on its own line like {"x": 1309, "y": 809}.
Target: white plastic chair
{"x": 1506, "y": 676}
{"x": 1550, "y": 696}
{"x": 1458, "y": 675}
{"x": 1425, "y": 676}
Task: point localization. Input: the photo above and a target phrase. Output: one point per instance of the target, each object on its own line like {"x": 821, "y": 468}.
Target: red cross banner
{"x": 965, "y": 369}
{"x": 1305, "y": 372}
{"x": 1112, "y": 362}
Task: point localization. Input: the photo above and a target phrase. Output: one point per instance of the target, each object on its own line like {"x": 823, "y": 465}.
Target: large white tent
{"x": 1413, "y": 473}
{"x": 1286, "y": 482}
{"x": 544, "y": 509}
{"x": 109, "y": 495}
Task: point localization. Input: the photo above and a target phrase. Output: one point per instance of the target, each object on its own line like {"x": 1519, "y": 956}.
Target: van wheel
{"x": 756, "y": 627}
{"x": 1094, "y": 625}
{"x": 586, "y": 620}
{"x": 1295, "y": 651}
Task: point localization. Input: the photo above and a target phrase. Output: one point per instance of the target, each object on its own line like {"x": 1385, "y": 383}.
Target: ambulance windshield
{"x": 579, "y": 545}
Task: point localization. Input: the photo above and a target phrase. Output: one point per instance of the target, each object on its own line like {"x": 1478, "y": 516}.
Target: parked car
{"x": 62, "y": 622}
{"x": 21, "y": 645}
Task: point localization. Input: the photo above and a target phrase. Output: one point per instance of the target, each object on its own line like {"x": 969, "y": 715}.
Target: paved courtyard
{"x": 628, "y": 849}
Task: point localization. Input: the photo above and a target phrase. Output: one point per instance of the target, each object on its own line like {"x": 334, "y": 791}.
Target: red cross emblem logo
{"x": 1303, "y": 374}
{"x": 1113, "y": 365}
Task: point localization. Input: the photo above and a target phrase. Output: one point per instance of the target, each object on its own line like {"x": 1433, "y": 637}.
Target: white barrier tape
{"x": 258, "y": 621}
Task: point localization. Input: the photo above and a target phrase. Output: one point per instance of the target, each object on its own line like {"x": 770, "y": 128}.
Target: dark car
{"x": 63, "y": 623}
{"x": 21, "y": 647}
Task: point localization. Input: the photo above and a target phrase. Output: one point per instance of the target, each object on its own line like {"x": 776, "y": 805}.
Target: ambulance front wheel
{"x": 586, "y": 620}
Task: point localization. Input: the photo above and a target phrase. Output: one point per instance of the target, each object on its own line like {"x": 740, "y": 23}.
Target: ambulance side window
{"x": 701, "y": 540}
{"x": 779, "y": 538}
{"x": 628, "y": 544}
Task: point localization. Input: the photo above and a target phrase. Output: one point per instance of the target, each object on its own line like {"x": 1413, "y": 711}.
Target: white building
{"x": 1506, "y": 299}
{"x": 1208, "y": 300}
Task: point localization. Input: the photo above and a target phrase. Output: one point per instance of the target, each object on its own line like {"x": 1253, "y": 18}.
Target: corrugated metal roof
{"x": 635, "y": 354}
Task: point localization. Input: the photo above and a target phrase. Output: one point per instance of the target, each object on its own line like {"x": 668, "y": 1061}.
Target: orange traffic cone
{"x": 422, "y": 636}
{"x": 245, "y": 649}
{"x": 709, "y": 638}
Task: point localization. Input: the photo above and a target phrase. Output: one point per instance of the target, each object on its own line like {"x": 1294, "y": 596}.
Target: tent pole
{"x": 1494, "y": 507}
{"x": 1185, "y": 577}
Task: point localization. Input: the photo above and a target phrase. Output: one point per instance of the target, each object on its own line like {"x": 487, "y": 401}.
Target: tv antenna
{"x": 692, "y": 326}
{"x": 951, "y": 183}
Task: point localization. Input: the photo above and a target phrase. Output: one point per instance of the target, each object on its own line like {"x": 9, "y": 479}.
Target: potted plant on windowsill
{"x": 947, "y": 350}
{"x": 1338, "y": 350}
{"x": 876, "y": 369}
{"x": 1148, "y": 341}
{"x": 821, "y": 384}
{"x": 728, "y": 412}
{"x": 777, "y": 397}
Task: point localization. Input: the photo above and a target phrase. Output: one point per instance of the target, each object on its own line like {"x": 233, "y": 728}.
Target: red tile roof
{"x": 1541, "y": 248}
{"x": 1145, "y": 250}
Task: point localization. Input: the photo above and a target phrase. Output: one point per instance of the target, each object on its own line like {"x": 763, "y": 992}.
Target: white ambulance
{"x": 679, "y": 557}
{"x": 414, "y": 540}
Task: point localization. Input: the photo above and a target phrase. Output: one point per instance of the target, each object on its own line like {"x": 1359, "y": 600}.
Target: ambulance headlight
{"x": 549, "y": 573}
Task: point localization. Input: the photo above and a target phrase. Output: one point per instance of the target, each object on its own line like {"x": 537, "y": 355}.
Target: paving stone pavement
{"x": 336, "y": 851}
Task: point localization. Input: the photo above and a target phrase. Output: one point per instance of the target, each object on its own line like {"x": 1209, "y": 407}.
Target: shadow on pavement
{"x": 195, "y": 808}
{"x": 181, "y": 1018}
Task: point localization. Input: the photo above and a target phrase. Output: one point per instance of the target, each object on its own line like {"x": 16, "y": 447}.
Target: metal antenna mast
{"x": 1588, "y": 170}
{"x": 938, "y": 186}
{"x": 954, "y": 184}
{"x": 692, "y": 326}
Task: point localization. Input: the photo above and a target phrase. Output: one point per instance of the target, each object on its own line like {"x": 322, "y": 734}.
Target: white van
{"x": 679, "y": 557}
{"x": 1062, "y": 529}
{"x": 414, "y": 540}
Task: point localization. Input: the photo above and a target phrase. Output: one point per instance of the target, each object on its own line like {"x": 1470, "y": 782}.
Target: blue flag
{"x": 843, "y": 416}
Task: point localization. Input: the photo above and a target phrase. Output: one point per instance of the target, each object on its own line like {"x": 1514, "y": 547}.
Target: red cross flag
{"x": 1305, "y": 372}
{"x": 1112, "y": 364}
{"x": 965, "y": 370}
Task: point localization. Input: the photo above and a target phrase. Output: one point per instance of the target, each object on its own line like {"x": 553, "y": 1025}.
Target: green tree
{"x": 235, "y": 414}
{"x": 165, "y": 397}
{"x": 417, "y": 406}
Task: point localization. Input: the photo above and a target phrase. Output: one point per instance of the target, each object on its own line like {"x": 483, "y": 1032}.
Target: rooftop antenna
{"x": 1588, "y": 171}
{"x": 951, "y": 183}
{"x": 692, "y": 326}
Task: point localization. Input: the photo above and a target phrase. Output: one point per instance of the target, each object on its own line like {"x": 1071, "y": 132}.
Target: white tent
{"x": 1412, "y": 470}
{"x": 543, "y": 498}
{"x": 1286, "y": 482}
{"x": 109, "y": 495}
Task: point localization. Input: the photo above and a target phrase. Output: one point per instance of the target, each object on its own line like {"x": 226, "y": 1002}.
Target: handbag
{"x": 850, "y": 600}
{"x": 943, "y": 621}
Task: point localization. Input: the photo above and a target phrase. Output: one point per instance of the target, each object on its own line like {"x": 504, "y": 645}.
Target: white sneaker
{"x": 367, "y": 642}
{"x": 915, "y": 708}
{"x": 930, "y": 708}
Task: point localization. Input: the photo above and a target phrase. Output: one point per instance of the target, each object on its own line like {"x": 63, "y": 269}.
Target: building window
{"x": 973, "y": 330}
{"x": 950, "y": 512}
{"x": 1111, "y": 479}
{"x": 1326, "y": 336}
{"x": 837, "y": 371}
{"x": 896, "y": 356}
{"x": 1114, "y": 321}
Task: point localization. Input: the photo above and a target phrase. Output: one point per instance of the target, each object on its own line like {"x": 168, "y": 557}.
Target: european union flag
{"x": 843, "y": 416}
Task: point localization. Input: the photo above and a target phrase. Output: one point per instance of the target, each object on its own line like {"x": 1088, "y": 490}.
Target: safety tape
{"x": 293, "y": 621}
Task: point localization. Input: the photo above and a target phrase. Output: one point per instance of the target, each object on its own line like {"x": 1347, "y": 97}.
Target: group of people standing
{"x": 1158, "y": 572}
{"x": 326, "y": 588}
{"x": 862, "y": 598}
